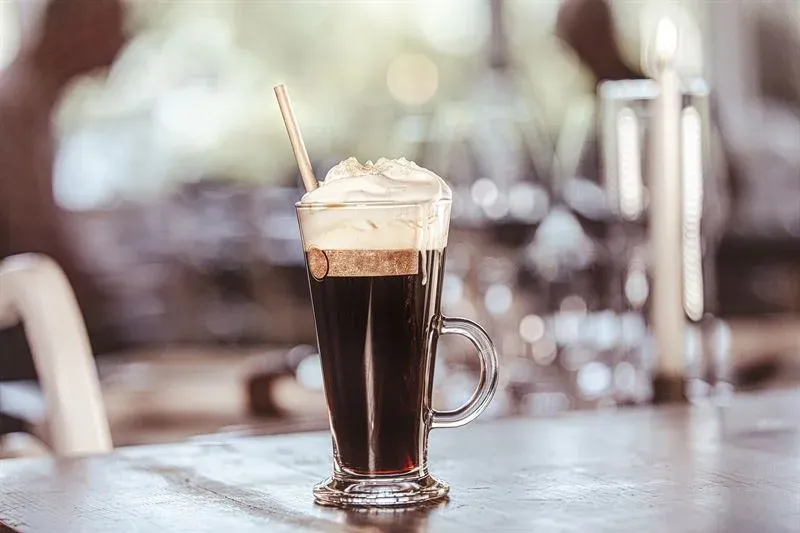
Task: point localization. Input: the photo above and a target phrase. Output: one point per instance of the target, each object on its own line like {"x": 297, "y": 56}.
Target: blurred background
{"x": 167, "y": 189}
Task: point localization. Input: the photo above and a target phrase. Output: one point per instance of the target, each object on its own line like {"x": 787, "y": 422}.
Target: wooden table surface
{"x": 642, "y": 470}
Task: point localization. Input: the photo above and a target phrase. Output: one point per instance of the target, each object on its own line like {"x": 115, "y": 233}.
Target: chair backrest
{"x": 35, "y": 291}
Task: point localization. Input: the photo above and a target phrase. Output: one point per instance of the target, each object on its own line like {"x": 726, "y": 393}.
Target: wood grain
{"x": 679, "y": 468}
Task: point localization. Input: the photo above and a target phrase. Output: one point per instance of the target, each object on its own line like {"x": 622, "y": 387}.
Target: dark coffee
{"x": 374, "y": 333}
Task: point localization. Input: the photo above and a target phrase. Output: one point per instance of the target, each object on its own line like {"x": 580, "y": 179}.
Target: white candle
{"x": 665, "y": 202}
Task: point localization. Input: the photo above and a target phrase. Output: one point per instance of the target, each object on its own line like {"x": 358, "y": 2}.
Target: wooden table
{"x": 641, "y": 470}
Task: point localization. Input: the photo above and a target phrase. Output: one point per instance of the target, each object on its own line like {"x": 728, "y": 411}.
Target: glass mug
{"x": 375, "y": 272}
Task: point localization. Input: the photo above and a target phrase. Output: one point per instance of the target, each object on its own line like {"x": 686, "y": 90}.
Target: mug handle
{"x": 487, "y": 382}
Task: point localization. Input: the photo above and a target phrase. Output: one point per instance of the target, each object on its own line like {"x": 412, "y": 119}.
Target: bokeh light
{"x": 412, "y": 79}
{"x": 545, "y": 351}
{"x": 452, "y": 290}
{"x": 593, "y": 379}
{"x": 573, "y": 304}
{"x": 457, "y": 27}
{"x": 498, "y": 299}
{"x": 484, "y": 192}
{"x": 527, "y": 202}
{"x": 531, "y": 328}
{"x": 625, "y": 378}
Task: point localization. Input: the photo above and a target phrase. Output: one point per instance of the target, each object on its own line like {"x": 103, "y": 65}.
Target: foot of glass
{"x": 356, "y": 491}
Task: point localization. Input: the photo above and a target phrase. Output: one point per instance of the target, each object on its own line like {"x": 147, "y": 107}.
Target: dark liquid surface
{"x": 373, "y": 334}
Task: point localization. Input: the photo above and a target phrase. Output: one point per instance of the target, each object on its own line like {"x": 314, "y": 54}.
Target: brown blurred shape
{"x": 69, "y": 38}
{"x": 587, "y": 27}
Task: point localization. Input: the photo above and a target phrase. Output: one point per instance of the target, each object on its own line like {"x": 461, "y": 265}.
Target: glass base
{"x": 344, "y": 490}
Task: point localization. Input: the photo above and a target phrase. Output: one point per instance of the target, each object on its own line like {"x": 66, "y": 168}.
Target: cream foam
{"x": 387, "y": 180}
{"x": 329, "y": 221}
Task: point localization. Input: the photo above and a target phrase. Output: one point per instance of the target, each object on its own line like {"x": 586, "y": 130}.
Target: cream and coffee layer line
{"x": 362, "y": 263}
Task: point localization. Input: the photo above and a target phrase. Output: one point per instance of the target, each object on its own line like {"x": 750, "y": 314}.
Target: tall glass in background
{"x": 627, "y": 125}
{"x": 376, "y": 307}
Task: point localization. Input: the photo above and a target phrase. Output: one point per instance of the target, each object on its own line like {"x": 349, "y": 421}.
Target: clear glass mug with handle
{"x": 375, "y": 272}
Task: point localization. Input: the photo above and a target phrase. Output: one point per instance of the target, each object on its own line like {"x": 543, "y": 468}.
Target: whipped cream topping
{"x": 420, "y": 220}
{"x": 387, "y": 180}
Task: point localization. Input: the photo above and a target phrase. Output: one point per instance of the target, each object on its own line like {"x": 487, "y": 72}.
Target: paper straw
{"x": 296, "y": 139}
